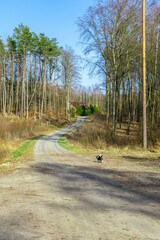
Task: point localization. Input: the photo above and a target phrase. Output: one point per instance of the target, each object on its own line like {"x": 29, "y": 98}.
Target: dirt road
{"x": 63, "y": 196}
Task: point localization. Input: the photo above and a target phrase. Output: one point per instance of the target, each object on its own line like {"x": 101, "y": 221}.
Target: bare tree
{"x": 71, "y": 73}
{"x": 108, "y": 32}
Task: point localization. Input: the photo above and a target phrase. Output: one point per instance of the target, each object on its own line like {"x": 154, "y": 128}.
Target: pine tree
{"x": 23, "y": 36}
{"x": 11, "y": 44}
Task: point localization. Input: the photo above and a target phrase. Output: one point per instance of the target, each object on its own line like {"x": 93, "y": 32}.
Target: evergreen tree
{"x": 23, "y": 37}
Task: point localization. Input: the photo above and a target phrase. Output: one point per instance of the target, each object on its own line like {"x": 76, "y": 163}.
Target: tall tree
{"x": 35, "y": 43}
{"x": 1, "y": 60}
{"x": 107, "y": 30}
{"x": 53, "y": 53}
{"x": 23, "y": 36}
{"x": 11, "y": 44}
{"x": 44, "y": 46}
{"x": 71, "y": 73}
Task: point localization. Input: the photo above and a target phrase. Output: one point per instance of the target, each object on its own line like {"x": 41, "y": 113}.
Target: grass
{"x": 14, "y": 132}
{"x": 18, "y": 136}
{"x": 65, "y": 144}
{"x": 92, "y": 138}
{"x": 26, "y": 148}
{"x": 96, "y": 138}
{"x": 22, "y": 149}
{"x": 134, "y": 155}
{"x": 20, "y": 154}
{"x": 140, "y": 159}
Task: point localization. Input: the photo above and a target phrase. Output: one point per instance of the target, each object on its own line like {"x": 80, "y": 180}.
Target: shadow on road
{"x": 92, "y": 187}
{"x": 16, "y": 230}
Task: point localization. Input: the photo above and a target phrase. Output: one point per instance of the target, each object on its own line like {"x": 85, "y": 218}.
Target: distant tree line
{"x": 111, "y": 33}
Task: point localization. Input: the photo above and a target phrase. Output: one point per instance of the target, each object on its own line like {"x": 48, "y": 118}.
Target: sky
{"x": 55, "y": 18}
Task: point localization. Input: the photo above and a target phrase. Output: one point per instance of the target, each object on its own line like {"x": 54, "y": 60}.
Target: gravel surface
{"x": 60, "y": 195}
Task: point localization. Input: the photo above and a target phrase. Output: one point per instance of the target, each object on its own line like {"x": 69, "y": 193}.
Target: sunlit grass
{"x": 65, "y": 144}
{"x": 17, "y": 136}
{"x": 22, "y": 149}
{"x": 96, "y": 138}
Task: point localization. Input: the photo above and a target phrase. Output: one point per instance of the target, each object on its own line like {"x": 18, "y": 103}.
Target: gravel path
{"x": 59, "y": 195}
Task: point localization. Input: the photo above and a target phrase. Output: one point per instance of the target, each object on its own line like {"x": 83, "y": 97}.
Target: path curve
{"x": 50, "y": 142}
{"x": 60, "y": 195}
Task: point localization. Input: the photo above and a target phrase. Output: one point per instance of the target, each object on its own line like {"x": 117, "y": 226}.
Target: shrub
{"x": 88, "y": 111}
{"x": 80, "y": 109}
{"x": 73, "y": 112}
{"x": 96, "y": 109}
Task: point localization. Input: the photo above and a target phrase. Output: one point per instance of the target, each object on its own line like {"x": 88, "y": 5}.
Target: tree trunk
{"x": 155, "y": 78}
{"x": 54, "y": 101}
{"x": 11, "y": 85}
{"x": 134, "y": 100}
{"x": 107, "y": 100}
{"x": 23, "y": 86}
{"x": 27, "y": 89}
{"x": 67, "y": 95}
{"x": 44, "y": 83}
{"x": 50, "y": 84}
{"x": 114, "y": 100}
{"x": 129, "y": 102}
{"x": 0, "y": 85}
{"x": 4, "y": 88}
{"x": 17, "y": 90}
{"x": 35, "y": 84}
{"x": 39, "y": 95}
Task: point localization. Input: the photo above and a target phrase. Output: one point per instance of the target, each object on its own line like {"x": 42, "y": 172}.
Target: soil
{"x": 60, "y": 195}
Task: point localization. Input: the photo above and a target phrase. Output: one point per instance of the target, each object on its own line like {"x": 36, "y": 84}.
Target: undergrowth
{"x": 17, "y": 134}
{"x": 96, "y": 134}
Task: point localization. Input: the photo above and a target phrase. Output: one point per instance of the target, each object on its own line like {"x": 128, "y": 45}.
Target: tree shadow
{"x": 150, "y": 162}
{"x": 11, "y": 228}
{"x": 92, "y": 187}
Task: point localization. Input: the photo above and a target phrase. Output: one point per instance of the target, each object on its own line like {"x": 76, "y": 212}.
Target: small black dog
{"x": 100, "y": 158}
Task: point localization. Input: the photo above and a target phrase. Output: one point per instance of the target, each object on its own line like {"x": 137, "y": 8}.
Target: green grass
{"x": 140, "y": 159}
{"x": 22, "y": 150}
{"x": 63, "y": 143}
{"x": 28, "y": 145}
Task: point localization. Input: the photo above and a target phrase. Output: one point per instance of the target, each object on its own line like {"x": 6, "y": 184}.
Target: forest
{"x": 38, "y": 77}
{"x": 111, "y": 32}
{"x": 73, "y": 163}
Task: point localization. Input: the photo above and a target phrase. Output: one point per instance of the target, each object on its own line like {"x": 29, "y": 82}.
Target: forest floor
{"x": 63, "y": 195}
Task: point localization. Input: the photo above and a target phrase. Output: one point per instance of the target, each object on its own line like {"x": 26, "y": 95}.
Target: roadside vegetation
{"x": 89, "y": 110}
{"x": 17, "y": 136}
{"x": 94, "y": 137}
{"x": 65, "y": 144}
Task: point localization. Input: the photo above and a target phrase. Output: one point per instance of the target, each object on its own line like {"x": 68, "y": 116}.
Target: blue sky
{"x": 55, "y": 18}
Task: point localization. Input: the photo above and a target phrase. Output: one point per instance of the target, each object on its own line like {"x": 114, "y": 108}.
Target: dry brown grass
{"x": 18, "y": 129}
{"x": 14, "y": 131}
{"x": 94, "y": 134}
